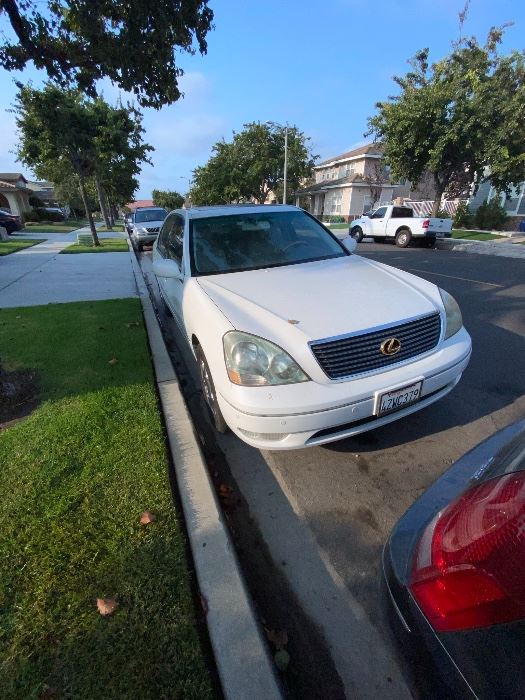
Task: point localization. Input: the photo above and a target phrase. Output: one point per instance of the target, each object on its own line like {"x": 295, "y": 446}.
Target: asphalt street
{"x": 326, "y": 512}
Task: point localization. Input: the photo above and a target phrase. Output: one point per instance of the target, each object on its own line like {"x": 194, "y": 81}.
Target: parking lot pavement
{"x": 326, "y": 512}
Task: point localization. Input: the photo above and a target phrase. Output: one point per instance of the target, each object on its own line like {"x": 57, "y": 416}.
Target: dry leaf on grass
{"x": 113, "y": 361}
{"x": 107, "y": 606}
{"x": 146, "y": 518}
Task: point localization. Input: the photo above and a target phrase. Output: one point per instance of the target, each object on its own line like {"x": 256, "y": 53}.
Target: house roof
{"x": 369, "y": 149}
{"x": 7, "y": 185}
{"x": 12, "y": 176}
{"x": 140, "y": 203}
{"x": 329, "y": 184}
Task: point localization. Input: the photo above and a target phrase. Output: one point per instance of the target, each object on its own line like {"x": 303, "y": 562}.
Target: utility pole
{"x": 285, "y": 162}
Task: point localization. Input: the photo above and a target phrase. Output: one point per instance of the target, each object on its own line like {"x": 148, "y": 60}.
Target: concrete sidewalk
{"x": 39, "y": 275}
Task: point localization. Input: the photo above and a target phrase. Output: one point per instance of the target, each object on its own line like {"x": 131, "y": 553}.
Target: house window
{"x": 349, "y": 170}
{"x": 336, "y": 201}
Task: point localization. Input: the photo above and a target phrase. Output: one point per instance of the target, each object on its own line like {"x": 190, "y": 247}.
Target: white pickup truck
{"x": 400, "y": 225}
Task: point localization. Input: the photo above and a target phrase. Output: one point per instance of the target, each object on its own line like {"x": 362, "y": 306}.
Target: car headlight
{"x": 252, "y": 361}
{"x": 454, "y": 321}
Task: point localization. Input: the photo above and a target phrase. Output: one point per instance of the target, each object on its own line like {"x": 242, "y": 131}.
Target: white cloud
{"x": 189, "y": 136}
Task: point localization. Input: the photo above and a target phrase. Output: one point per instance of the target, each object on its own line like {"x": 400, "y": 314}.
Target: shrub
{"x": 491, "y": 215}
{"x": 463, "y": 218}
{"x": 35, "y": 201}
{"x": 443, "y": 214}
{"x": 43, "y": 214}
{"x": 334, "y": 219}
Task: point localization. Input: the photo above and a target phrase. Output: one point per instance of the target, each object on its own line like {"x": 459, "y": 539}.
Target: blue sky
{"x": 319, "y": 65}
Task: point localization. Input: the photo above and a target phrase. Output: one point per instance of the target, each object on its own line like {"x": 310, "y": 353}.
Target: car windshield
{"x": 250, "y": 241}
{"x": 150, "y": 215}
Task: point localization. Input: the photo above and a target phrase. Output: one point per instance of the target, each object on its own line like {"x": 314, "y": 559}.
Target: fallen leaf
{"x": 204, "y": 603}
{"x": 227, "y": 496}
{"x": 146, "y": 518}
{"x": 113, "y": 361}
{"x": 106, "y": 606}
{"x": 279, "y": 638}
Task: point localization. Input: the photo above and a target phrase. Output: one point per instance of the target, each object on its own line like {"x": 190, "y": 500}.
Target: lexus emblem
{"x": 390, "y": 346}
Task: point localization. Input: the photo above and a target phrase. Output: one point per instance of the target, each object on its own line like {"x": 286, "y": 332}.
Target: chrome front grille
{"x": 153, "y": 230}
{"x": 354, "y": 354}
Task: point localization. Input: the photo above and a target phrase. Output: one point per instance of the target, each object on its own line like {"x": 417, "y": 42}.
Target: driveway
{"x": 325, "y": 512}
{"x": 39, "y": 275}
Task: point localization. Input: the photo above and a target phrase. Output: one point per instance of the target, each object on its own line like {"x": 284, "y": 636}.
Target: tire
{"x": 357, "y": 233}
{"x": 209, "y": 393}
{"x": 403, "y": 238}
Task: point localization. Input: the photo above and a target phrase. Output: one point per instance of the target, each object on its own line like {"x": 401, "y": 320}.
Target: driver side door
{"x": 170, "y": 246}
{"x": 378, "y": 222}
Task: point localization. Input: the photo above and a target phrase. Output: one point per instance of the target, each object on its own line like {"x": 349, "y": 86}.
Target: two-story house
{"x": 350, "y": 184}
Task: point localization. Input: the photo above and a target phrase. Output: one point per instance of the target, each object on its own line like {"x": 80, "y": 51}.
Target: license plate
{"x": 398, "y": 398}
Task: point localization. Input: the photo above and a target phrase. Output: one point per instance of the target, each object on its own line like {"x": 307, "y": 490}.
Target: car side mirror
{"x": 167, "y": 268}
{"x": 349, "y": 243}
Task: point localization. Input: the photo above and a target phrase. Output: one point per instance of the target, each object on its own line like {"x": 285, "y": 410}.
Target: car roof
{"x": 233, "y": 209}
{"x": 146, "y": 208}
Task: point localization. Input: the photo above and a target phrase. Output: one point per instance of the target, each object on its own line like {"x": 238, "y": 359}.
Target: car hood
{"x": 323, "y": 299}
{"x": 150, "y": 224}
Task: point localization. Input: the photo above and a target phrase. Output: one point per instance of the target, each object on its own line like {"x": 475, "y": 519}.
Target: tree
{"x": 461, "y": 119}
{"x": 168, "y": 199}
{"x": 252, "y": 165}
{"x": 375, "y": 178}
{"x": 132, "y": 42}
{"x": 66, "y": 137}
{"x": 55, "y": 126}
{"x": 120, "y": 151}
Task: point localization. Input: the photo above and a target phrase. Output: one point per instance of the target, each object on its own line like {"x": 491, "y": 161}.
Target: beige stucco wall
{"x": 18, "y": 202}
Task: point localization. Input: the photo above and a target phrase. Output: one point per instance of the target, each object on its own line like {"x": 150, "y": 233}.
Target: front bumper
{"x": 144, "y": 238}
{"x": 316, "y": 425}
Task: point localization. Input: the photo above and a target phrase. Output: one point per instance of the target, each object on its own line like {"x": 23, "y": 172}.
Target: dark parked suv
{"x": 9, "y": 221}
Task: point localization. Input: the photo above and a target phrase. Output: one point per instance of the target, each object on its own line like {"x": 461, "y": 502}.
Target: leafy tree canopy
{"x": 132, "y": 42}
{"x": 462, "y": 119}
{"x": 64, "y": 136}
{"x": 168, "y": 199}
{"x": 252, "y": 165}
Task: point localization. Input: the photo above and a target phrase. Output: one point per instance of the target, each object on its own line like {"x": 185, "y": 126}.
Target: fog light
{"x": 263, "y": 436}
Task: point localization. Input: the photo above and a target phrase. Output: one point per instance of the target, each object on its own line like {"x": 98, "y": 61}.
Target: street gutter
{"x": 243, "y": 662}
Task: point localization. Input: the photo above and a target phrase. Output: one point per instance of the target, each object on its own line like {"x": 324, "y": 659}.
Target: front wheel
{"x": 357, "y": 233}
{"x": 208, "y": 391}
{"x": 403, "y": 238}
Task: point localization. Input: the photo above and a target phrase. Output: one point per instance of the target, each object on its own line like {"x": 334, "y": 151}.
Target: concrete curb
{"x": 243, "y": 662}
{"x": 498, "y": 248}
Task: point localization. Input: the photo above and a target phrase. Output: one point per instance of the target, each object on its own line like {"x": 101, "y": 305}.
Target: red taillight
{"x": 469, "y": 566}
{"x": 426, "y": 223}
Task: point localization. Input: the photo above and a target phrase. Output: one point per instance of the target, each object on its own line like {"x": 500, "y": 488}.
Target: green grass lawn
{"x": 7, "y": 247}
{"x": 107, "y": 245}
{"x": 475, "y": 235}
{"x": 105, "y": 229}
{"x": 338, "y": 226}
{"x": 59, "y": 227}
{"x": 75, "y": 477}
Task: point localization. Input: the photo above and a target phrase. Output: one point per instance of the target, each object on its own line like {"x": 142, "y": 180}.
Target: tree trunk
{"x": 102, "y": 201}
{"x": 87, "y": 209}
{"x": 111, "y": 211}
{"x": 439, "y": 187}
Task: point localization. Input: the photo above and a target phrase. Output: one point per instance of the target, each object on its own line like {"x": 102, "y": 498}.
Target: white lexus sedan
{"x": 299, "y": 341}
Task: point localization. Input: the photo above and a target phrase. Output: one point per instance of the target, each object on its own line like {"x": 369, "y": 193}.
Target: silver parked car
{"x": 145, "y": 225}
